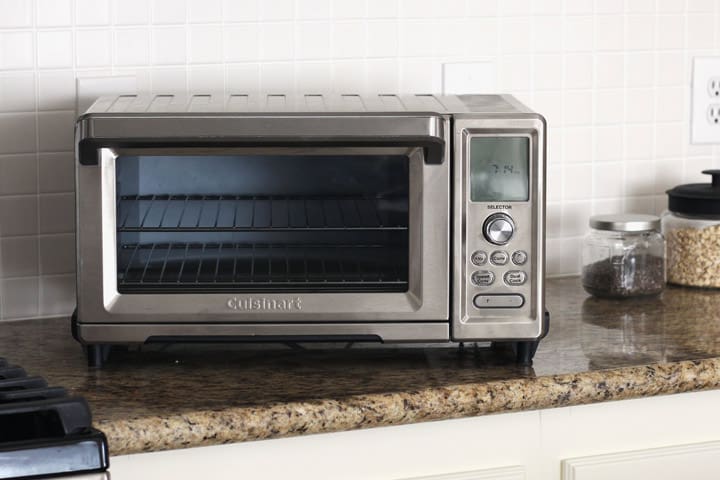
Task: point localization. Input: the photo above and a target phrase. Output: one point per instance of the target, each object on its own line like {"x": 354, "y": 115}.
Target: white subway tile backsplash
{"x": 414, "y": 40}
{"x": 579, "y": 71}
{"x": 383, "y": 75}
{"x": 169, "y": 46}
{"x": 609, "y": 32}
{"x": 169, "y": 79}
{"x": 17, "y": 92}
{"x": 56, "y": 90}
{"x": 277, "y": 41}
{"x": 56, "y": 172}
{"x": 132, "y": 46}
{"x": 314, "y": 9}
{"x": 174, "y": 11}
{"x": 204, "y": 11}
{"x": 608, "y": 180}
{"x": 16, "y": 50}
{"x": 639, "y": 141}
{"x": 578, "y": 144}
{"x": 277, "y": 10}
{"x": 578, "y": 107}
{"x": 131, "y": 12}
{"x": 17, "y": 133}
{"x": 56, "y": 131}
{"x": 608, "y": 143}
{"x": 56, "y": 213}
{"x": 639, "y": 105}
{"x": 92, "y": 12}
{"x": 640, "y": 178}
{"x": 19, "y": 215}
{"x": 19, "y": 257}
{"x": 206, "y": 44}
{"x": 241, "y": 42}
{"x": 382, "y": 38}
{"x": 578, "y": 34}
{"x": 57, "y": 295}
{"x": 515, "y": 34}
{"x": 670, "y": 32}
{"x": 700, "y": 31}
{"x": 312, "y": 76}
{"x": 15, "y": 13}
{"x": 577, "y": 181}
{"x": 247, "y": 11}
{"x": 639, "y": 69}
{"x": 243, "y": 78}
{"x": 609, "y": 70}
{"x": 18, "y": 174}
{"x": 20, "y": 297}
{"x": 611, "y": 77}
{"x": 57, "y": 254}
{"x": 639, "y": 32}
{"x": 313, "y": 40}
{"x": 349, "y": 39}
{"x": 344, "y": 9}
{"x": 668, "y": 140}
{"x": 93, "y": 48}
{"x": 206, "y": 78}
{"x": 54, "y": 13}
{"x": 55, "y": 49}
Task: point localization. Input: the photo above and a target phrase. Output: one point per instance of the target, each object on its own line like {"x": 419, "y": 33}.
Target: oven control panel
{"x": 499, "y": 251}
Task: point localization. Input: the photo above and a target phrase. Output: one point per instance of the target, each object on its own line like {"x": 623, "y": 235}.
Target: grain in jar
{"x": 692, "y": 230}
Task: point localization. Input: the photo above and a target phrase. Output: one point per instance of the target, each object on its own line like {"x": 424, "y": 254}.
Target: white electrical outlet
{"x": 468, "y": 78}
{"x": 705, "y": 119}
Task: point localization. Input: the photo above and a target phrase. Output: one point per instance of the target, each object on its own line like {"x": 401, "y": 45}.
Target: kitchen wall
{"x": 611, "y": 76}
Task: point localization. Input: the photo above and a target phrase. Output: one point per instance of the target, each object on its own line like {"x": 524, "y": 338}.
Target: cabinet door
{"x": 698, "y": 461}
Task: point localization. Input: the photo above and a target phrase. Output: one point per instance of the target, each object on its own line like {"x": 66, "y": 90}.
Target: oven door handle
{"x": 95, "y": 131}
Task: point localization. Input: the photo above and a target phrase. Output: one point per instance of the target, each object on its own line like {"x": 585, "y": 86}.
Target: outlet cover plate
{"x": 468, "y": 78}
{"x": 703, "y": 130}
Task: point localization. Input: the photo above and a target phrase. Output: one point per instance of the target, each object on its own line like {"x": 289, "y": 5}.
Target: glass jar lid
{"x": 696, "y": 198}
{"x": 625, "y": 222}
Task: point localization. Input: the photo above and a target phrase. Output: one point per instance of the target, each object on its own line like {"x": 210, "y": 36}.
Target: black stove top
{"x": 44, "y": 431}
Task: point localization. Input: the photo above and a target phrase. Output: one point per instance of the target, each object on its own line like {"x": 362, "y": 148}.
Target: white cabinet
{"x": 676, "y": 435}
{"x": 700, "y": 461}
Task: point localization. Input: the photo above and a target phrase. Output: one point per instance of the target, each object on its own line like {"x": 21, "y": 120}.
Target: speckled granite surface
{"x": 174, "y": 397}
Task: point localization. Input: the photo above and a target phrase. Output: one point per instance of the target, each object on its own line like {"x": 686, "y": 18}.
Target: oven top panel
{"x": 240, "y": 103}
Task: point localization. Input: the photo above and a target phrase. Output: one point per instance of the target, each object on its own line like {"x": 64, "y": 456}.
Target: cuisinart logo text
{"x": 262, "y": 303}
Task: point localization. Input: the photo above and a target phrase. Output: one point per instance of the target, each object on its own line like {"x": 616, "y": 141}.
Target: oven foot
{"x": 97, "y": 355}
{"x": 525, "y": 351}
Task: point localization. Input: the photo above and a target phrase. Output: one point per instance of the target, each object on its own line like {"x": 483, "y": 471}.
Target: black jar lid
{"x": 696, "y": 198}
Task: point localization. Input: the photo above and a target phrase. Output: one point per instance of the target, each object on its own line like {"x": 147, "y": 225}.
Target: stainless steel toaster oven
{"x": 382, "y": 218}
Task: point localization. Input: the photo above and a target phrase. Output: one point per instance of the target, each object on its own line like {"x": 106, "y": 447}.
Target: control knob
{"x": 498, "y": 228}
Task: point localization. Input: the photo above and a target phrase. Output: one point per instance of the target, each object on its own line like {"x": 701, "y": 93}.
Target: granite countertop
{"x": 166, "y": 397}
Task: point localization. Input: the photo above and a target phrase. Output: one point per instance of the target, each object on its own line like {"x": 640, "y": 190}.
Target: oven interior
{"x": 269, "y": 222}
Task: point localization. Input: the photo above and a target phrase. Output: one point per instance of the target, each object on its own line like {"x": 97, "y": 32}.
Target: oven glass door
{"x": 253, "y": 220}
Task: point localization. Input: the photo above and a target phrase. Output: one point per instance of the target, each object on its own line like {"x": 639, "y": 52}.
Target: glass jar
{"x": 623, "y": 256}
{"x": 692, "y": 228}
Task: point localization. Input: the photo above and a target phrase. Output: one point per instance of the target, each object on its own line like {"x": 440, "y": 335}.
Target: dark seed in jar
{"x": 619, "y": 277}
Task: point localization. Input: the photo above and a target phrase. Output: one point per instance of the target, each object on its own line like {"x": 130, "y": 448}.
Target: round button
{"x": 498, "y": 257}
{"x": 482, "y": 278}
{"x": 519, "y": 257}
{"x": 479, "y": 257}
{"x": 498, "y": 228}
{"x": 515, "y": 278}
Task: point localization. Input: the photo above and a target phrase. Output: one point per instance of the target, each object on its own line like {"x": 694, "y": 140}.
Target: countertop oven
{"x": 298, "y": 218}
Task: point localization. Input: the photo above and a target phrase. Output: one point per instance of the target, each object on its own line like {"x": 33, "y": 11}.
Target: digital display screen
{"x": 499, "y": 169}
